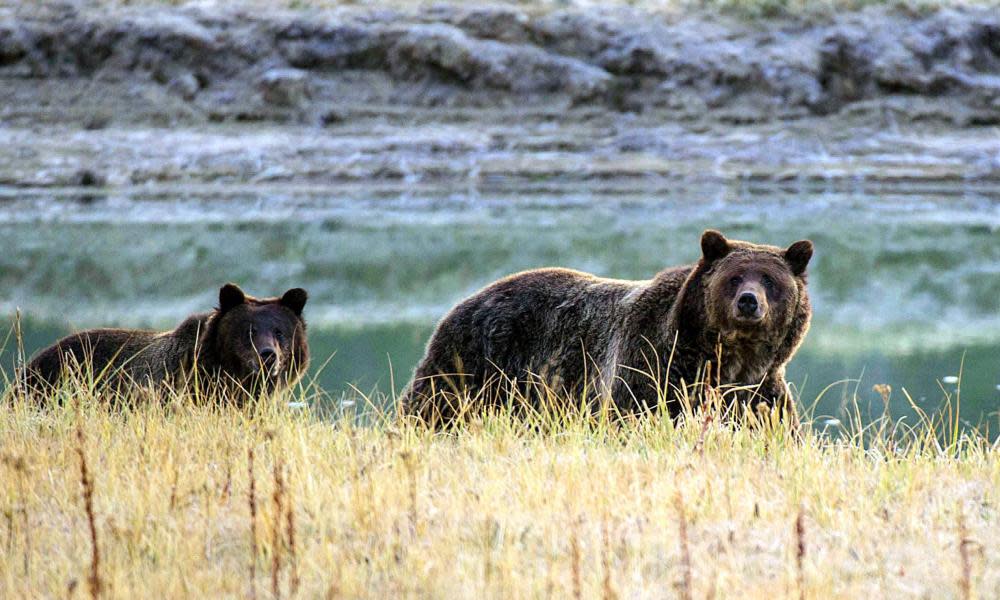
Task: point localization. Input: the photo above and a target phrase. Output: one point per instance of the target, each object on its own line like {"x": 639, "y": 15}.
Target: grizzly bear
{"x": 250, "y": 346}
{"x": 730, "y": 322}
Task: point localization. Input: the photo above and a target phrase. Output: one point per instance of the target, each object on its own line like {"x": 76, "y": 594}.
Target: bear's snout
{"x": 268, "y": 359}
{"x": 750, "y": 305}
{"x": 747, "y": 304}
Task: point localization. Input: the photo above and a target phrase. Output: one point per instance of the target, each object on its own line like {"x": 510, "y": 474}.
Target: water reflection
{"x": 905, "y": 282}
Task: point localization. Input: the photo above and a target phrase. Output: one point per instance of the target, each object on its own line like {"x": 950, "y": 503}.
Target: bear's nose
{"x": 747, "y": 304}
{"x": 267, "y": 358}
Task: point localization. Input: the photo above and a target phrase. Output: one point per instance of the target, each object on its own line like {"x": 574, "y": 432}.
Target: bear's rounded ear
{"x": 295, "y": 300}
{"x": 797, "y": 256}
{"x": 230, "y": 296}
{"x": 714, "y": 245}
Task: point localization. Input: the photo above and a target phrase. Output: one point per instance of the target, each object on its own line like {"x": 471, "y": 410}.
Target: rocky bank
{"x": 158, "y": 95}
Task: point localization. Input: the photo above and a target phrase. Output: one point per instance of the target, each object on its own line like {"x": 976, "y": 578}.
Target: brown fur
{"x": 636, "y": 343}
{"x": 251, "y": 344}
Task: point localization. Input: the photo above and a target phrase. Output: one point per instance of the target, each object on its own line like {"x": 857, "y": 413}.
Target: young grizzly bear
{"x": 733, "y": 319}
{"x": 252, "y": 345}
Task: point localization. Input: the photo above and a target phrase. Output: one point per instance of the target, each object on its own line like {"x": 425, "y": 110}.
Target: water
{"x": 905, "y": 281}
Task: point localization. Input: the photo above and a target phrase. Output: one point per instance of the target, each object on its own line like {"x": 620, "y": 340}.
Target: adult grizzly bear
{"x": 249, "y": 345}
{"x": 734, "y": 319}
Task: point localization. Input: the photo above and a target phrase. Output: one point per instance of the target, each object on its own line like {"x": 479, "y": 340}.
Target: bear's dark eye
{"x": 735, "y": 280}
{"x": 279, "y": 335}
{"x": 768, "y": 282}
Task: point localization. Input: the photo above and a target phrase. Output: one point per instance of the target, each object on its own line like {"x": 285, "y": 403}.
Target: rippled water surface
{"x": 905, "y": 280}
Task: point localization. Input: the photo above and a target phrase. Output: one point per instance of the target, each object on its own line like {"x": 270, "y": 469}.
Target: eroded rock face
{"x": 325, "y": 46}
{"x": 953, "y": 54}
{"x": 285, "y": 87}
{"x": 446, "y": 53}
{"x": 479, "y": 94}
{"x": 613, "y": 59}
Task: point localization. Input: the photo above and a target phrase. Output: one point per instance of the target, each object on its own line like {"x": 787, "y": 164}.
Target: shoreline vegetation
{"x": 178, "y": 498}
{"x": 162, "y": 493}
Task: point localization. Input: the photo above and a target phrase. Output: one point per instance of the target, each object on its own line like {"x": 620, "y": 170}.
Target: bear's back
{"x": 98, "y": 352}
{"x": 535, "y": 321}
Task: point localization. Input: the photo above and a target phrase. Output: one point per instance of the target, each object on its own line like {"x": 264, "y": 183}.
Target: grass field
{"x": 564, "y": 506}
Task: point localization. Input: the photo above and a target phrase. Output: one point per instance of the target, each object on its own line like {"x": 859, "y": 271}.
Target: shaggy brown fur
{"x": 252, "y": 344}
{"x": 733, "y": 319}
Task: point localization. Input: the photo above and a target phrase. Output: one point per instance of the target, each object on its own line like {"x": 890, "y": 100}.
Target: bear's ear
{"x": 230, "y": 296}
{"x": 713, "y": 246}
{"x": 797, "y": 256}
{"x": 295, "y": 300}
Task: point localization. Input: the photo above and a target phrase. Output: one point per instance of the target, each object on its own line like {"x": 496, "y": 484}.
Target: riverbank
{"x": 121, "y": 96}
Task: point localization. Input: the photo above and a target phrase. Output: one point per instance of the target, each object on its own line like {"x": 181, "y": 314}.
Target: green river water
{"x": 905, "y": 280}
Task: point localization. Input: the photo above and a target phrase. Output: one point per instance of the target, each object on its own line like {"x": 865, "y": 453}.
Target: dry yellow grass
{"x": 500, "y": 510}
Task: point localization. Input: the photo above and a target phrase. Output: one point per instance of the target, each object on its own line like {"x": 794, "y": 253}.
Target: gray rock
{"x": 285, "y": 87}
{"x": 312, "y": 46}
{"x": 12, "y": 45}
{"x": 448, "y": 53}
{"x": 185, "y": 85}
{"x": 495, "y": 23}
{"x": 622, "y": 59}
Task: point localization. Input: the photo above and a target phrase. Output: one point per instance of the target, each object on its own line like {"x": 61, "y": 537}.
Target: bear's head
{"x": 260, "y": 342}
{"x": 752, "y": 290}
